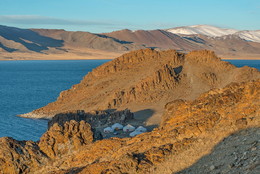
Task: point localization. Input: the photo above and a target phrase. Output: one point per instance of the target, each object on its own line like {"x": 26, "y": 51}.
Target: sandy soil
{"x": 79, "y": 54}
{"x": 73, "y": 55}
{"x": 240, "y": 57}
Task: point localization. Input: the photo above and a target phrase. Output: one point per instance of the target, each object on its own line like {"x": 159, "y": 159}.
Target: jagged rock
{"x": 189, "y": 130}
{"x": 147, "y": 79}
{"x": 94, "y": 118}
{"x": 71, "y": 136}
{"x": 20, "y": 156}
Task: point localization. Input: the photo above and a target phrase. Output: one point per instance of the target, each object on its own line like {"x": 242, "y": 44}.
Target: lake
{"x": 28, "y": 85}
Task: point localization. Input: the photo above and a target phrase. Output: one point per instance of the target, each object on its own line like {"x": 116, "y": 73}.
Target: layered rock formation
{"x": 28, "y": 156}
{"x": 189, "y": 130}
{"x": 147, "y": 80}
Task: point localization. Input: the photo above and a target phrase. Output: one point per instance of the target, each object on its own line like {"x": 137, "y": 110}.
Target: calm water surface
{"x": 28, "y": 85}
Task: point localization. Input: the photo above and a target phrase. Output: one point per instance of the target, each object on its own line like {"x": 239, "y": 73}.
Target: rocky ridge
{"x": 187, "y": 126}
{"x": 147, "y": 79}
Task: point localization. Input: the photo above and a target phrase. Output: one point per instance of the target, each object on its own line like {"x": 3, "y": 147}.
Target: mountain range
{"x": 16, "y": 43}
{"x": 211, "y": 31}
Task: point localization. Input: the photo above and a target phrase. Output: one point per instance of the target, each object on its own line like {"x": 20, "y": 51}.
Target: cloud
{"x": 42, "y": 20}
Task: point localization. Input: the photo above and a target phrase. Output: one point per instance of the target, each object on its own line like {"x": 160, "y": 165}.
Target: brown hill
{"x": 226, "y": 46}
{"x": 156, "y": 38}
{"x": 144, "y": 81}
{"x": 189, "y": 130}
{"x": 229, "y": 46}
{"x": 88, "y": 40}
{"x": 17, "y": 43}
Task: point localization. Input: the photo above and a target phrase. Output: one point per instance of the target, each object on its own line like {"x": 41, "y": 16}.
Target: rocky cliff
{"x": 147, "y": 80}
{"x": 188, "y": 131}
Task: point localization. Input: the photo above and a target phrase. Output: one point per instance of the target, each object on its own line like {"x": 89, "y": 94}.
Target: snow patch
{"x": 203, "y": 30}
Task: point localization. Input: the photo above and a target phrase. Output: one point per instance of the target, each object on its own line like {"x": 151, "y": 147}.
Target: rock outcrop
{"x": 66, "y": 138}
{"x": 27, "y": 156}
{"x": 147, "y": 79}
{"x": 20, "y": 156}
{"x": 95, "y": 119}
{"x": 188, "y": 131}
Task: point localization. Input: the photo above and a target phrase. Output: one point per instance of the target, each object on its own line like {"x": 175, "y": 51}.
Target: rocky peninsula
{"x": 203, "y": 109}
{"x": 223, "y": 121}
{"x": 144, "y": 81}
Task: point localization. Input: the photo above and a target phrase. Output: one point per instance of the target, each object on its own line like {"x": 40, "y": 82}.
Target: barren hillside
{"x": 223, "y": 120}
{"x": 146, "y": 80}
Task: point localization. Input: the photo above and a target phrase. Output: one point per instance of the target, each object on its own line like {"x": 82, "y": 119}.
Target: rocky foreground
{"x": 219, "y": 123}
{"x": 208, "y": 114}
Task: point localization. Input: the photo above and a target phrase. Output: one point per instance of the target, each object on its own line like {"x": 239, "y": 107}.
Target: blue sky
{"x": 110, "y": 15}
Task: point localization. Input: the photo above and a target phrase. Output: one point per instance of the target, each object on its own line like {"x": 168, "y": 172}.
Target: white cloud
{"x": 42, "y": 20}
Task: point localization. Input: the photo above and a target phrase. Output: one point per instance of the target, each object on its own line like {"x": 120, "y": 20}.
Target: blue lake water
{"x": 28, "y": 85}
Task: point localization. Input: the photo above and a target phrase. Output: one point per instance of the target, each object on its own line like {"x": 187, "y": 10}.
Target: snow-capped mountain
{"x": 212, "y": 31}
{"x": 253, "y": 36}
{"x": 202, "y": 29}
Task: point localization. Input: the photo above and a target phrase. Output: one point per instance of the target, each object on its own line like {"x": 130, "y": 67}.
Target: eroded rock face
{"x": 199, "y": 124}
{"x": 95, "y": 118}
{"x": 20, "y": 156}
{"x": 139, "y": 78}
{"x": 59, "y": 140}
{"x": 27, "y": 156}
{"x": 192, "y": 127}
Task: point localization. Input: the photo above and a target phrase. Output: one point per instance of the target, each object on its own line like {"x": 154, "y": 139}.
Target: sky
{"x": 101, "y": 16}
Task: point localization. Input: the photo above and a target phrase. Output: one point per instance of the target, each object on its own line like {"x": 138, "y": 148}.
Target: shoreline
{"x": 14, "y": 59}
{"x": 31, "y": 115}
{"x": 52, "y": 59}
{"x": 254, "y": 58}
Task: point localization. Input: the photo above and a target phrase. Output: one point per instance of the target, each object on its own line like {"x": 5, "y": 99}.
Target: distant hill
{"x": 81, "y": 39}
{"x": 211, "y": 31}
{"x": 156, "y": 39}
{"x": 16, "y": 43}
{"x": 225, "y": 42}
{"x": 206, "y": 30}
